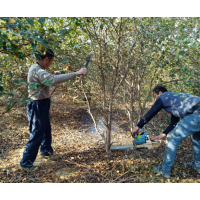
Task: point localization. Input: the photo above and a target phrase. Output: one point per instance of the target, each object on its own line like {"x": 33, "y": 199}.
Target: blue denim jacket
{"x": 178, "y": 105}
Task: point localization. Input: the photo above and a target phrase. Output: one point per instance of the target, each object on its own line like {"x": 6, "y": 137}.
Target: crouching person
{"x": 181, "y": 106}
{"x": 38, "y": 110}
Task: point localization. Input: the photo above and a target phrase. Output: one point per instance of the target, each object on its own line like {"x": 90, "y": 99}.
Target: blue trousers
{"x": 40, "y": 132}
{"x": 188, "y": 126}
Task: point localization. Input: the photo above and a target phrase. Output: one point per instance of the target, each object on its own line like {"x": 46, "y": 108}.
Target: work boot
{"x": 158, "y": 169}
{"x": 30, "y": 169}
{"x": 191, "y": 164}
{"x": 50, "y": 157}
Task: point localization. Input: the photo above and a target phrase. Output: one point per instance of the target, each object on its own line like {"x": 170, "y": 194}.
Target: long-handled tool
{"x": 88, "y": 58}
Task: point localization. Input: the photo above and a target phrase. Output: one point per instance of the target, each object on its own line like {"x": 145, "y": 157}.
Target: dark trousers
{"x": 40, "y": 132}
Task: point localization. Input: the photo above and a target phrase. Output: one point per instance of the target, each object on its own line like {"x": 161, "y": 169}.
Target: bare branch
{"x": 89, "y": 111}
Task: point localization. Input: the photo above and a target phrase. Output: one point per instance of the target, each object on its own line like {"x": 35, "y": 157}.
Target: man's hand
{"x": 82, "y": 71}
{"x": 158, "y": 137}
{"x": 135, "y": 130}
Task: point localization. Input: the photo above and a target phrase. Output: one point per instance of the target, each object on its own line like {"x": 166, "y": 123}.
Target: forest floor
{"x": 82, "y": 156}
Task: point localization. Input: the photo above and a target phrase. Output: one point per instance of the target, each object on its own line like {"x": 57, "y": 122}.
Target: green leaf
{"x": 20, "y": 81}
{"x": 10, "y": 73}
{"x": 11, "y": 100}
{"x": 34, "y": 45}
{"x": 5, "y": 36}
{"x": 2, "y": 93}
{"x": 141, "y": 26}
{"x": 4, "y": 46}
{"x": 41, "y": 41}
{"x": 9, "y": 27}
{"x": 41, "y": 20}
{"x": 33, "y": 85}
{"x": 38, "y": 39}
{"x": 25, "y": 100}
{"x": 47, "y": 82}
{"x": 23, "y": 33}
{"x": 101, "y": 26}
{"x": 1, "y": 89}
{"x": 30, "y": 21}
{"x": 8, "y": 106}
{"x": 21, "y": 56}
{"x": 64, "y": 60}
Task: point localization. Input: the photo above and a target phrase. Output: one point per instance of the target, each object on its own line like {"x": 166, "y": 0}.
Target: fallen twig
{"x": 123, "y": 174}
{"x": 89, "y": 111}
{"x": 74, "y": 163}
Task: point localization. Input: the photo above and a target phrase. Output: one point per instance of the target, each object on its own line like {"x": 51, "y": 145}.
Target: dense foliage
{"x": 131, "y": 57}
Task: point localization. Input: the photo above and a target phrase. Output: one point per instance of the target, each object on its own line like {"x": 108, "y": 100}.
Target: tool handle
{"x": 86, "y": 64}
{"x": 80, "y": 78}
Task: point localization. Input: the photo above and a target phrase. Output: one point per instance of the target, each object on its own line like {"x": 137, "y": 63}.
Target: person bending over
{"x": 181, "y": 106}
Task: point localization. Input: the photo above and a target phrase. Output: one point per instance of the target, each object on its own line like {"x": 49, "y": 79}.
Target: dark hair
{"x": 43, "y": 53}
{"x": 158, "y": 89}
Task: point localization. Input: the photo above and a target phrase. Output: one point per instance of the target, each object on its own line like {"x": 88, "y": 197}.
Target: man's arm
{"x": 158, "y": 105}
{"x": 174, "y": 121}
{"x": 56, "y": 79}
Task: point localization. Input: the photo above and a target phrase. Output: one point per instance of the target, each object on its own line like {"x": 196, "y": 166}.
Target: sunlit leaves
{"x": 51, "y": 19}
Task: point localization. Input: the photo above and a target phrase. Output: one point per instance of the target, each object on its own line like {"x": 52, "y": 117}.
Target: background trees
{"x": 131, "y": 57}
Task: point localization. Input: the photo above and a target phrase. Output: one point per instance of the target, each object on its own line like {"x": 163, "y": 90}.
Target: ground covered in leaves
{"x": 82, "y": 156}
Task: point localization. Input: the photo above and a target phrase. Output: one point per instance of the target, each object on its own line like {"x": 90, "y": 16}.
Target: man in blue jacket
{"x": 181, "y": 106}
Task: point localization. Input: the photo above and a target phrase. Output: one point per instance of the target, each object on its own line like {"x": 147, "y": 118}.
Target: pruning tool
{"x": 88, "y": 58}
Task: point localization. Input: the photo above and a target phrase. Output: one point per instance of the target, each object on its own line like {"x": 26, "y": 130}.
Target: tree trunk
{"x": 108, "y": 133}
{"x": 131, "y": 109}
